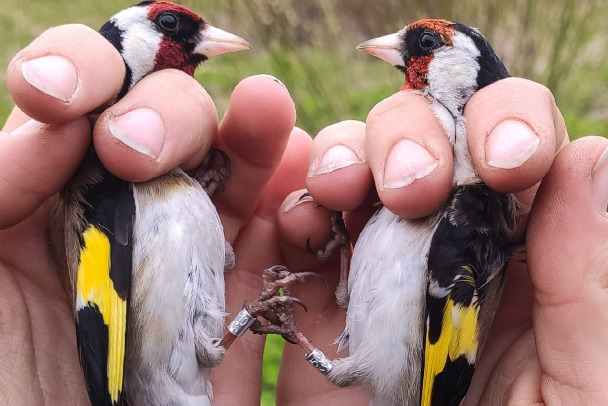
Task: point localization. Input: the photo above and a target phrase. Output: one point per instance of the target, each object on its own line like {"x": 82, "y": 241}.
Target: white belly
{"x": 178, "y": 292}
{"x": 385, "y": 317}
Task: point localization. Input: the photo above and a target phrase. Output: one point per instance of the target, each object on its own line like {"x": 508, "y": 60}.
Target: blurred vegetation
{"x": 309, "y": 45}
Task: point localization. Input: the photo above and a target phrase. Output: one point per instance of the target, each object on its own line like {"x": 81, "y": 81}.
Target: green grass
{"x": 270, "y": 369}
{"x": 309, "y": 45}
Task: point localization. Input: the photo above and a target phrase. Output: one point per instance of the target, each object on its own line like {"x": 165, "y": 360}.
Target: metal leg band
{"x": 318, "y": 360}
{"x": 241, "y": 323}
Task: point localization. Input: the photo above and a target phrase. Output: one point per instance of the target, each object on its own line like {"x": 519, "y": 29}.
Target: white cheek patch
{"x": 453, "y": 72}
{"x": 140, "y": 41}
{"x": 452, "y": 81}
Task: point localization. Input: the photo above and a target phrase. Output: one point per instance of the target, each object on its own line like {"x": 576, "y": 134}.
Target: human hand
{"x": 37, "y": 342}
{"x": 511, "y": 366}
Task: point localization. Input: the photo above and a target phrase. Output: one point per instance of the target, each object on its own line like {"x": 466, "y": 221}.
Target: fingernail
{"x": 142, "y": 129}
{"x": 337, "y": 157}
{"x": 53, "y": 75}
{"x": 510, "y": 144}
{"x": 264, "y": 75}
{"x": 305, "y": 198}
{"x": 407, "y": 161}
{"x": 28, "y": 128}
{"x": 600, "y": 183}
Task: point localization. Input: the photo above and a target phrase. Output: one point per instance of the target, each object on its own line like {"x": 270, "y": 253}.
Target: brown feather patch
{"x": 444, "y": 28}
{"x": 158, "y": 7}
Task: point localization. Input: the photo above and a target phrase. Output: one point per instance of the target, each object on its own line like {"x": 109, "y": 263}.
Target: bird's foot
{"x": 276, "y": 305}
{"x": 278, "y": 310}
{"x": 229, "y": 257}
{"x": 211, "y": 178}
{"x": 342, "y": 296}
{"x": 340, "y": 240}
{"x": 278, "y": 277}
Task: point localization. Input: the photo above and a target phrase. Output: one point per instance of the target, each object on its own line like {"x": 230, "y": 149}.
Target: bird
{"x": 422, "y": 293}
{"x": 145, "y": 261}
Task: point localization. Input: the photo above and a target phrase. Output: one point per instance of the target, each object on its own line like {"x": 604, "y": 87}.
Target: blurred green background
{"x": 310, "y": 46}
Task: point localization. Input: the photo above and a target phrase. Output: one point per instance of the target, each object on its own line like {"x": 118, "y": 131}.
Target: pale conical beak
{"x": 385, "y": 48}
{"x": 216, "y": 42}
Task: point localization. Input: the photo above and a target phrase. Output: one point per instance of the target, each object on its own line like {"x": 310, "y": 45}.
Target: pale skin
{"x": 548, "y": 346}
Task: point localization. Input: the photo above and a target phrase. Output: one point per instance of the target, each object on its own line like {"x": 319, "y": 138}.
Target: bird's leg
{"x": 229, "y": 258}
{"x": 341, "y": 241}
{"x": 341, "y": 238}
{"x": 278, "y": 311}
{"x": 275, "y": 304}
{"x": 342, "y": 297}
{"x": 210, "y": 178}
{"x": 277, "y": 308}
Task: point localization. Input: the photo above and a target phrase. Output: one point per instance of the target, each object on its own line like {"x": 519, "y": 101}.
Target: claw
{"x": 309, "y": 248}
{"x": 302, "y": 275}
{"x": 305, "y": 195}
{"x": 211, "y": 179}
{"x": 224, "y": 157}
{"x": 276, "y": 307}
{"x": 340, "y": 240}
{"x": 298, "y": 301}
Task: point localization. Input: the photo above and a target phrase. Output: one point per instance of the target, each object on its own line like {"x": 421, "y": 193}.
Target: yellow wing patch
{"x": 94, "y": 286}
{"x": 458, "y": 337}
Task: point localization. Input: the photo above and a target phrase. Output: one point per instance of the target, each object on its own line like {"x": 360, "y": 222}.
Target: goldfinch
{"x": 422, "y": 293}
{"x": 146, "y": 260}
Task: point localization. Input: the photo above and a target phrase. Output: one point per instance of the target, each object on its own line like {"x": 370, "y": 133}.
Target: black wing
{"x": 103, "y": 287}
{"x": 468, "y": 257}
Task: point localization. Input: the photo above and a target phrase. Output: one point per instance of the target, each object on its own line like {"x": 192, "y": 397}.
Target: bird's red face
{"x": 446, "y": 60}
{"x": 411, "y": 50}
{"x": 158, "y": 35}
{"x": 417, "y": 66}
{"x": 181, "y": 29}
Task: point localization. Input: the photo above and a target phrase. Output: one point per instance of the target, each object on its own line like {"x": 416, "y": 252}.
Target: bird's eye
{"x": 428, "y": 41}
{"x": 168, "y": 22}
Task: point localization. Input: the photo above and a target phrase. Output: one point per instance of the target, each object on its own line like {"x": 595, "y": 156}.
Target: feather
{"x": 468, "y": 258}
{"x": 103, "y": 284}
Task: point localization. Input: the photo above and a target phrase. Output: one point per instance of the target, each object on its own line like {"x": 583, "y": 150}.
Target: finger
{"x": 339, "y": 176}
{"x": 300, "y": 220}
{"x": 145, "y": 135}
{"x": 409, "y": 155}
{"x": 302, "y": 223}
{"x": 36, "y": 160}
{"x": 65, "y": 73}
{"x": 254, "y": 133}
{"x": 237, "y": 380}
{"x": 568, "y": 263}
{"x": 514, "y": 129}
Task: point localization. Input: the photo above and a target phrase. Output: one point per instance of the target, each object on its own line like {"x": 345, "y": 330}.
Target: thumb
{"x": 36, "y": 160}
{"x": 568, "y": 262}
